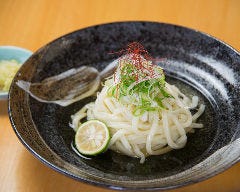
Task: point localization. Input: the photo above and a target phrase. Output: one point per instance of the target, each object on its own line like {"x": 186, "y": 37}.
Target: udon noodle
{"x": 149, "y": 133}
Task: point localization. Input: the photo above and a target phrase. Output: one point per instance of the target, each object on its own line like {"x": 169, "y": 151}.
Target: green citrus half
{"x": 92, "y": 137}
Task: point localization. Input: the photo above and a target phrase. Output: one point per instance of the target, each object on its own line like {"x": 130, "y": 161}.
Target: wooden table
{"x": 33, "y": 23}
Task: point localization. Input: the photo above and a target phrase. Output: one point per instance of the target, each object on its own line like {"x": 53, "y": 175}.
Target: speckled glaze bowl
{"x": 198, "y": 63}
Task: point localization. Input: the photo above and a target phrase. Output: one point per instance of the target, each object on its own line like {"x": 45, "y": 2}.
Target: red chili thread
{"x": 135, "y": 52}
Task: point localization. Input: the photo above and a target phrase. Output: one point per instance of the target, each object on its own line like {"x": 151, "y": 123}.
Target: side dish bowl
{"x": 13, "y": 53}
{"x": 198, "y": 63}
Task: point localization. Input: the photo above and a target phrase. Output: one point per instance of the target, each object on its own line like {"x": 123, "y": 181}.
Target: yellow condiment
{"x": 8, "y": 69}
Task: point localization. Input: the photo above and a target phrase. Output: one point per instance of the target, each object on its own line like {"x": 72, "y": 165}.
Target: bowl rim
{"x": 13, "y": 47}
{"x": 102, "y": 184}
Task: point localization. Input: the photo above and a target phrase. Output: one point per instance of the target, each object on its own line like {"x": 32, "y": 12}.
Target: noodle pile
{"x": 150, "y": 133}
{"x": 145, "y": 114}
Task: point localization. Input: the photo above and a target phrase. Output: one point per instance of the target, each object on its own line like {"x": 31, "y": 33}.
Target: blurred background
{"x": 33, "y": 23}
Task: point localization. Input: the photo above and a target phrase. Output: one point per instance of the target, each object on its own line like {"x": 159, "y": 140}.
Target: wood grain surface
{"x": 33, "y": 23}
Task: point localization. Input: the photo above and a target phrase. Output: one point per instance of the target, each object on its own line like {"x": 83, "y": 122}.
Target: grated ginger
{"x": 8, "y": 68}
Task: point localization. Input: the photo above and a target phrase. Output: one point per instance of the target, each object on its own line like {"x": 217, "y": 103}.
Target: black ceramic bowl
{"x": 198, "y": 63}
